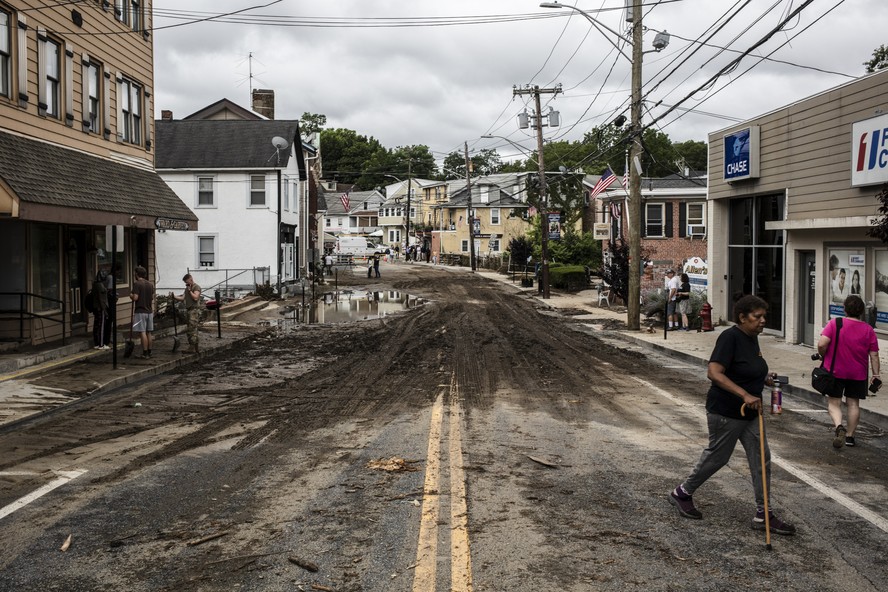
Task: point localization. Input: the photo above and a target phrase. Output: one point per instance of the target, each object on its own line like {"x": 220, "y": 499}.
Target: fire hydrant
{"x": 706, "y": 317}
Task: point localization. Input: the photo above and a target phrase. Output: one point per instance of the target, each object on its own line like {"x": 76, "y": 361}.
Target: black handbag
{"x": 823, "y": 380}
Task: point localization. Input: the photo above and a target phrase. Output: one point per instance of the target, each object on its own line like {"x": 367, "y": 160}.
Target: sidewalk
{"x": 33, "y": 384}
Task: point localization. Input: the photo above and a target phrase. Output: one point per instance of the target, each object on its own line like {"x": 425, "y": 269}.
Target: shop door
{"x": 807, "y": 282}
{"x": 77, "y": 284}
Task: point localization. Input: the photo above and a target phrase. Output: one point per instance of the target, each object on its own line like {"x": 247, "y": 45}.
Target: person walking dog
{"x": 738, "y": 373}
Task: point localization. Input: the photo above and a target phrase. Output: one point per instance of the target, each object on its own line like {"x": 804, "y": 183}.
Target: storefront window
{"x": 846, "y": 276}
{"x": 103, "y": 258}
{"x": 880, "y": 288}
{"x": 46, "y": 267}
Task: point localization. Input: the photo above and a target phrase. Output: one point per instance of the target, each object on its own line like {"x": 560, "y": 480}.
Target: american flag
{"x": 344, "y": 199}
{"x": 615, "y": 210}
{"x": 625, "y": 180}
{"x": 607, "y": 177}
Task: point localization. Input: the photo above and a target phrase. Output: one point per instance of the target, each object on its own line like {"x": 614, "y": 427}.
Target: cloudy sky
{"x": 441, "y": 73}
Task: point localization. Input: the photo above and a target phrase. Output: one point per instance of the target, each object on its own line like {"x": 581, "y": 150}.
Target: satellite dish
{"x": 280, "y": 143}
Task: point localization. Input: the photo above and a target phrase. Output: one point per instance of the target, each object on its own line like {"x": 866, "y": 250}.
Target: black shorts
{"x": 852, "y": 389}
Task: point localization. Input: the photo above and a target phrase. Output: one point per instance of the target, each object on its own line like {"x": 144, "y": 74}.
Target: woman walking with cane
{"x": 738, "y": 373}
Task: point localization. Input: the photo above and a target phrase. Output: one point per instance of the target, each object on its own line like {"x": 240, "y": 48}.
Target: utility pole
{"x": 409, "y": 189}
{"x": 634, "y": 304}
{"x": 536, "y": 91}
{"x": 469, "y": 217}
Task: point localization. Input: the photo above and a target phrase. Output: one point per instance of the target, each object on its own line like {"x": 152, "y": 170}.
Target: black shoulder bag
{"x": 823, "y": 380}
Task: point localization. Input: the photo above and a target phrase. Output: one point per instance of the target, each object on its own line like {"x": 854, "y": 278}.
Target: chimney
{"x": 263, "y": 102}
{"x": 166, "y": 115}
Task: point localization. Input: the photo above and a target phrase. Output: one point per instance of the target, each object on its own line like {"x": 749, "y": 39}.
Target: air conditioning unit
{"x": 696, "y": 230}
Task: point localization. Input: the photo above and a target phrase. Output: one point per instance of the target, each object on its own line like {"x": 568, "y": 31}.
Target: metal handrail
{"x": 228, "y": 278}
{"x": 23, "y": 312}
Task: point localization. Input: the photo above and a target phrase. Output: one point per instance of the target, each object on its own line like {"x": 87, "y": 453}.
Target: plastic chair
{"x": 604, "y": 293}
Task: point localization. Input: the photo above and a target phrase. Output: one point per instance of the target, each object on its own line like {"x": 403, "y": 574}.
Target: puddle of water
{"x": 347, "y": 306}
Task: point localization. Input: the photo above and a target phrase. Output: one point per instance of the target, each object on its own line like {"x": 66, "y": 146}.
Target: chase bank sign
{"x": 742, "y": 154}
{"x": 869, "y": 151}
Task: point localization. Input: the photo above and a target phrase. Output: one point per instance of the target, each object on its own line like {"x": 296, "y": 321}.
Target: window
{"x": 696, "y": 213}
{"x": 5, "y": 55}
{"x": 91, "y": 108}
{"x": 464, "y": 246}
{"x": 129, "y": 12}
{"x": 494, "y": 215}
{"x": 494, "y": 245}
{"x": 328, "y": 222}
{"x": 135, "y": 14}
{"x": 654, "y": 219}
{"x": 205, "y": 196}
{"x": 130, "y": 109}
{"x": 47, "y": 267}
{"x": 52, "y": 78}
{"x": 257, "y": 190}
{"x": 206, "y": 251}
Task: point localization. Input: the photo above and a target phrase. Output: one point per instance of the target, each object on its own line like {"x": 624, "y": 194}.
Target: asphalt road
{"x": 478, "y": 442}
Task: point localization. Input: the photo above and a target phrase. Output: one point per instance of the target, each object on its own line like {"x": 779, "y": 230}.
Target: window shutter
{"x": 667, "y": 221}
{"x": 41, "y": 72}
{"x": 68, "y": 83}
{"x": 84, "y": 91}
{"x": 22, "y": 61}
{"x": 120, "y": 91}
{"x": 682, "y": 219}
{"x": 147, "y": 118}
{"x": 106, "y": 106}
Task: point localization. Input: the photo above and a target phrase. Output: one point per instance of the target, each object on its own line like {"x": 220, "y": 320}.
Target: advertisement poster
{"x": 881, "y": 289}
{"x": 846, "y": 277}
{"x": 554, "y": 226}
{"x": 698, "y": 273}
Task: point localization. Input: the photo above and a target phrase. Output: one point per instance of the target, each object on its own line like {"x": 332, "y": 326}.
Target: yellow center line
{"x": 427, "y": 546}
{"x": 461, "y": 558}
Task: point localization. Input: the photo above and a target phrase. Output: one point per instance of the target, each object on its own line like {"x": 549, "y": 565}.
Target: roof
{"x": 235, "y": 111}
{"x": 51, "y": 175}
{"x": 334, "y": 205}
{"x": 501, "y": 199}
{"x": 223, "y": 144}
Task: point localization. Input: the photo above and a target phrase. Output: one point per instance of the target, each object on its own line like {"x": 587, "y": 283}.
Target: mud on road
{"x": 231, "y": 472}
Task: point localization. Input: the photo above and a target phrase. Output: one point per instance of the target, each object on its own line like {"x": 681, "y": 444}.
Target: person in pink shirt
{"x": 858, "y": 349}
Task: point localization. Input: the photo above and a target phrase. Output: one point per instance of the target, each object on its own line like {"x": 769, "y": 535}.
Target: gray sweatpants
{"x": 723, "y": 435}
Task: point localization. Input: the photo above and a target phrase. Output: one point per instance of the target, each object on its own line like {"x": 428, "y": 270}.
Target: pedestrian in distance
{"x": 191, "y": 298}
{"x": 142, "y": 295}
{"x": 858, "y": 348}
{"x": 376, "y": 257}
{"x": 683, "y": 298}
{"x": 369, "y": 266}
{"x": 100, "y": 308}
{"x": 738, "y": 373}
{"x": 328, "y": 264}
{"x": 672, "y": 285}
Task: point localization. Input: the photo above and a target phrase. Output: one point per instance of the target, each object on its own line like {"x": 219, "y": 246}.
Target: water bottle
{"x": 776, "y": 398}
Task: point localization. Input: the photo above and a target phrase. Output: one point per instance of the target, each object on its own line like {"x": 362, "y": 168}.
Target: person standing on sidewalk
{"x": 101, "y": 318}
{"x": 142, "y": 294}
{"x": 191, "y": 298}
{"x": 738, "y": 373}
{"x": 672, "y": 286}
{"x": 683, "y": 298}
{"x": 857, "y": 346}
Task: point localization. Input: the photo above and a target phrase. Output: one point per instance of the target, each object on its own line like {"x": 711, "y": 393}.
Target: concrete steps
{"x": 235, "y": 308}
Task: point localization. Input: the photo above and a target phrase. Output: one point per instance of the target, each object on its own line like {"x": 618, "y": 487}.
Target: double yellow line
{"x": 425, "y": 574}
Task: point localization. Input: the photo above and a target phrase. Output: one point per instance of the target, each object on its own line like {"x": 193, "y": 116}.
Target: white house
{"x": 250, "y": 193}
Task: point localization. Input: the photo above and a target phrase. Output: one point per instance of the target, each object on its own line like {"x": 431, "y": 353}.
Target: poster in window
{"x": 846, "y": 277}
{"x": 881, "y": 289}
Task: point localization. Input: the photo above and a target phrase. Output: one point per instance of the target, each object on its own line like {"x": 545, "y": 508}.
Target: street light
{"x": 279, "y": 144}
{"x": 634, "y": 206}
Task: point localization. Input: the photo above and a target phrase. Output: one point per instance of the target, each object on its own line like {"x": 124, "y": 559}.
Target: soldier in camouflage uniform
{"x": 191, "y": 298}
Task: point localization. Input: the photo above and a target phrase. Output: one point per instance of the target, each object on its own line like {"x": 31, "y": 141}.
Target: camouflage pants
{"x": 193, "y": 320}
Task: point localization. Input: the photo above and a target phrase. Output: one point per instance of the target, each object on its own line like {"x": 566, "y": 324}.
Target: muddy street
{"x": 480, "y": 441}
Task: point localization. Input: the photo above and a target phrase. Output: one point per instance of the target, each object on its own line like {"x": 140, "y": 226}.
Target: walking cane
{"x": 764, "y": 475}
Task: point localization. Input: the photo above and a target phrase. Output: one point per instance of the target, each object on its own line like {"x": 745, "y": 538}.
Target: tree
{"x": 693, "y": 153}
{"x": 484, "y": 162}
{"x": 346, "y": 154}
{"x": 879, "y": 60}
{"x": 879, "y": 229}
{"x": 311, "y": 123}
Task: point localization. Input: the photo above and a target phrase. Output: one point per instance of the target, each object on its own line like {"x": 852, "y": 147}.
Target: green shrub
{"x": 568, "y": 277}
{"x": 654, "y": 305}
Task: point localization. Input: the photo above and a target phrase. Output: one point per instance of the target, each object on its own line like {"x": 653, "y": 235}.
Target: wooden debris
{"x": 66, "y": 544}
{"x": 392, "y": 465}
{"x": 207, "y": 539}
{"x": 303, "y": 563}
{"x": 322, "y": 588}
{"x": 545, "y": 463}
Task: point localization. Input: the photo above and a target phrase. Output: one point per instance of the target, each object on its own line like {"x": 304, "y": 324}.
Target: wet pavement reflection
{"x": 354, "y": 305}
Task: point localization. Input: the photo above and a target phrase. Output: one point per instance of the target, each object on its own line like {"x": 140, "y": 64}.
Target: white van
{"x": 357, "y": 246}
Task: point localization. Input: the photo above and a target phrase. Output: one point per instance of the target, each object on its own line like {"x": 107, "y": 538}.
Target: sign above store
{"x": 170, "y": 224}
{"x": 869, "y": 151}
{"x": 742, "y": 154}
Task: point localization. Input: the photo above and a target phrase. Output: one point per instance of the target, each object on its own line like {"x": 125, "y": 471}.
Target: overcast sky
{"x": 441, "y": 84}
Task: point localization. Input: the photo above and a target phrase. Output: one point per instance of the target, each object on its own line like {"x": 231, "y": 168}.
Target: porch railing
{"x": 248, "y": 279}
{"x": 22, "y": 312}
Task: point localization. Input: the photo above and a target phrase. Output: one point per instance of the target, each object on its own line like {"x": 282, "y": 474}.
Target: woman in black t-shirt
{"x": 738, "y": 373}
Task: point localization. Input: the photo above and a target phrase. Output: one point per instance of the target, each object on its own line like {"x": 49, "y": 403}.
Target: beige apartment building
{"x": 76, "y": 160}
{"x": 791, "y": 196}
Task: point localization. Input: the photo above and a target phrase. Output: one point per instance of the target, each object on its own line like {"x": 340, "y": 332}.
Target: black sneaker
{"x": 777, "y": 525}
{"x": 849, "y": 441}
{"x": 839, "y": 440}
{"x": 685, "y": 504}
